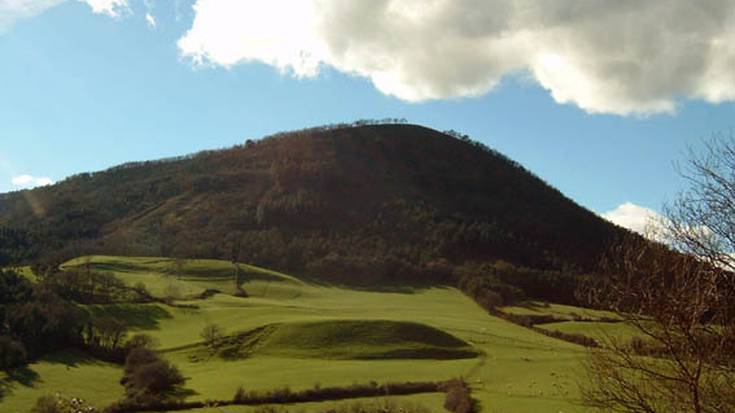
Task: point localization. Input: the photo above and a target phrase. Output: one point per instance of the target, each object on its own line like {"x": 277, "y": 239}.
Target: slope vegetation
{"x": 363, "y": 205}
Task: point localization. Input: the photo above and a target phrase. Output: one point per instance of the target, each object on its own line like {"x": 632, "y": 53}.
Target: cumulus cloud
{"x": 622, "y": 57}
{"x": 29, "y": 181}
{"x": 636, "y": 218}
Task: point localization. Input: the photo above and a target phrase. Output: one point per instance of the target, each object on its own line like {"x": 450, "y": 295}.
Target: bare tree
{"x": 234, "y": 246}
{"x": 173, "y": 292}
{"x": 212, "y": 334}
{"x": 178, "y": 266}
{"x": 702, "y": 220}
{"x": 680, "y": 300}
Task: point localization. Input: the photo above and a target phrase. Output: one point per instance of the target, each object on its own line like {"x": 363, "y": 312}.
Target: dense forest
{"x": 362, "y": 204}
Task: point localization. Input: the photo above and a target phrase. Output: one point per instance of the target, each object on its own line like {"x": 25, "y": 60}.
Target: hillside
{"x": 354, "y": 205}
{"x": 293, "y": 333}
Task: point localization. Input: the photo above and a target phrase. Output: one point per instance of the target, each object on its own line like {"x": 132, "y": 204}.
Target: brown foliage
{"x": 681, "y": 307}
{"x": 679, "y": 297}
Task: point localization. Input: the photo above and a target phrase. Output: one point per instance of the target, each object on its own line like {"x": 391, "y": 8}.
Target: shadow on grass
{"x": 380, "y": 286}
{"x": 70, "y": 358}
{"x": 21, "y": 375}
{"x": 110, "y": 267}
{"x": 182, "y": 393}
{"x": 27, "y": 377}
{"x": 142, "y": 316}
{"x": 398, "y": 288}
{"x": 24, "y": 376}
{"x": 533, "y": 306}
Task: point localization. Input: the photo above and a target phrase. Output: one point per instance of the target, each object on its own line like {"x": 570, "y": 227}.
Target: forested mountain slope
{"x": 354, "y": 204}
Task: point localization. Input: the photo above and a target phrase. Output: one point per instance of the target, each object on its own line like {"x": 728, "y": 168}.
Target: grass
{"x": 69, "y": 373}
{"x": 24, "y": 271}
{"x": 558, "y": 310}
{"x": 162, "y": 277}
{"x": 347, "y": 339}
{"x": 598, "y": 331}
{"x": 327, "y": 335}
{"x": 427, "y": 399}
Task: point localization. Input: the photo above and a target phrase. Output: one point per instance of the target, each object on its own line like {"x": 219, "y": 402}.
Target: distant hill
{"x": 355, "y": 204}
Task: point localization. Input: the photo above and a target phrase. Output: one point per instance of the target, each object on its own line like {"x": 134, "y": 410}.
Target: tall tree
{"x": 679, "y": 299}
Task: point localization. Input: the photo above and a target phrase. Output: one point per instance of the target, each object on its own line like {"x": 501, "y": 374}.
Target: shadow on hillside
{"x": 396, "y": 289}
{"x": 22, "y": 375}
{"x": 71, "y": 359}
{"x": 109, "y": 267}
{"x": 532, "y": 305}
{"x": 183, "y": 393}
{"x": 380, "y": 286}
{"x": 145, "y": 317}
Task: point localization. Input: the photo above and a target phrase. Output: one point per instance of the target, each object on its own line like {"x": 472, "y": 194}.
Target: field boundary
{"x": 286, "y": 396}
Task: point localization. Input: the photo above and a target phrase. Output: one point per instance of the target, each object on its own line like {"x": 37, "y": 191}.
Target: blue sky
{"x": 84, "y": 88}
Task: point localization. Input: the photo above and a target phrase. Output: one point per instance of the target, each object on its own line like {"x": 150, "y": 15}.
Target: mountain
{"x": 360, "y": 204}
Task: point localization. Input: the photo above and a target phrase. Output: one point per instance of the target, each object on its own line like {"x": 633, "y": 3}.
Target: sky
{"x": 598, "y": 98}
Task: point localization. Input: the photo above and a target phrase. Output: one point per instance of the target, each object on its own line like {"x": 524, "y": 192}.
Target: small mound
{"x": 190, "y": 278}
{"x": 349, "y": 339}
{"x": 190, "y": 269}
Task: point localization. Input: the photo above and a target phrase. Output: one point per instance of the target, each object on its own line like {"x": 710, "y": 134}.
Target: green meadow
{"x": 293, "y": 333}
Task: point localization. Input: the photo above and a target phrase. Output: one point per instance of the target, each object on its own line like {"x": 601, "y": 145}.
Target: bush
{"x": 46, "y": 404}
{"x": 212, "y": 334}
{"x": 317, "y": 393}
{"x": 148, "y": 402}
{"x": 377, "y": 406}
{"x": 580, "y": 339}
{"x": 59, "y": 404}
{"x": 156, "y": 378}
{"x": 458, "y": 397}
{"x": 137, "y": 357}
{"x": 240, "y": 395}
{"x": 139, "y": 341}
{"x": 149, "y": 379}
{"x": 12, "y": 353}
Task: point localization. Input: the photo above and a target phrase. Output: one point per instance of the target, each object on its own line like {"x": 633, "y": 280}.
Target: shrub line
{"x": 286, "y": 396}
{"x": 530, "y": 323}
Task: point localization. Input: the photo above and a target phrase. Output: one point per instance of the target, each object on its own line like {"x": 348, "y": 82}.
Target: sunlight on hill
{"x": 420, "y": 334}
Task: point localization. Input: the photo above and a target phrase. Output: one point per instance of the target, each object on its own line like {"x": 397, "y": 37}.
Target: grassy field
{"x": 602, "y": 332}
{"x": 426, "y": 400}
{"x": 575, "y": 320}
{"x": 317, "y": 334}
{"x": 558, "y": 310}
{"x": 65, "y": 373}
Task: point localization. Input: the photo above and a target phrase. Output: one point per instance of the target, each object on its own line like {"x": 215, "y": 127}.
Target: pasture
{"x": 292, "y": 333}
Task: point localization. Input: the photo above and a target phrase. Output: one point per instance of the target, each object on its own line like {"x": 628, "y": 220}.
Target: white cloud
{"x": 29, "y": 181}
{"x": 149, "y": 17}
{"x": 151, "y": 20}
{"x": 112, "y": 8}
{"x": 623, "y": 57}
{"x": 14, "y": 10}
{"x": 636, "y": 218}
{"x": 282, "y": 33}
